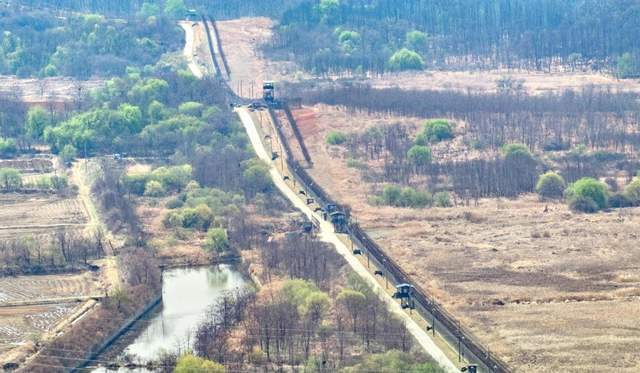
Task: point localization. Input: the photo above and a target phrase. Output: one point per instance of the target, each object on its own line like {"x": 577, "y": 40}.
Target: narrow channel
{"x": 187, "y": 293}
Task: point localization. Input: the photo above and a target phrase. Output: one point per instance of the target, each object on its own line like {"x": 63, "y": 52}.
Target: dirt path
{"x": 327, "y": 235}
{"x": 190, "y": 47}
{"x": 80, "y": 177}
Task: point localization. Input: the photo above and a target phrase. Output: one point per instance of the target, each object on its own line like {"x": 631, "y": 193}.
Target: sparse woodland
{"x": 590, "y": 133}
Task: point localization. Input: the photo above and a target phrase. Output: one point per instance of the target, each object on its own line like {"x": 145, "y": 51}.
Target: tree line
{"x": 508, "y": 138}
{"x": 333, "y": 36}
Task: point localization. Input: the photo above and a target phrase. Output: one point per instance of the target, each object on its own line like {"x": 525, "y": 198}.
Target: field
{"x": 33, "y": 307}
{"x": 37, "y": 214}
{"x": 541, "y": 289}
{"x": 547, "y": 291}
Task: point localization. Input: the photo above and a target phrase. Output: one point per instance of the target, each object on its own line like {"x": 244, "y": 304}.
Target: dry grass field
{"x": 547, "y": 291}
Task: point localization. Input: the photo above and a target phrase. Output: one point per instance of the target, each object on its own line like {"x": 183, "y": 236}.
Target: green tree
{"x": 627, "y": 66}
{"x": 193, "y": 364}
{"x": 328, "y": 10}
{"x": 37, "y": 121}
{"x": 442, "y": 199}
{"x": 550, "y": 185}
{"x": 632, "y": 191}
{"x": 10, "y": 179}
{"x": 148, "y": 9}
{"x": 8, "y": 148}
{"x": 391, "y": 195}
{"x": 191, "y": 108}
{"x": 133, "y": 116}
{"x": 256, "y": 178}
{"x": 416, "y": 40}
{"x": 217, "y": 240}
{"x": 154, "y": 188}
{"x": 587, "y": 195}
{"x": 406, "y": 59}
{"x": 336, "y": 138}
{"x": 419, "y": 155}
{"x": 157, "y": 111}
{"x": 438, "y": 130}
{"x": 516, "y": 151}
{"x": 175, "y": 9}
{"x": 353, "y": 302}
{"x": 391, "y": 362}
{"x": 68, "y": 153}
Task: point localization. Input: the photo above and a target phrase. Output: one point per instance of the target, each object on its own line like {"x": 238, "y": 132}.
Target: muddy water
{"x": 187, "y": 293}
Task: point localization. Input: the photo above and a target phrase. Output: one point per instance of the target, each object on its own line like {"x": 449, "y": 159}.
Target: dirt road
{"x": 327, "y": 235}
{"x": 190, "y": 47}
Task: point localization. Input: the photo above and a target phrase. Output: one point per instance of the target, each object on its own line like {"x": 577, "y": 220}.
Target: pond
{"x": 187, "y": 293}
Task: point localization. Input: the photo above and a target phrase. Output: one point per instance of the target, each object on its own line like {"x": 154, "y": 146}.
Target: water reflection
{"x": 187, "y": 293}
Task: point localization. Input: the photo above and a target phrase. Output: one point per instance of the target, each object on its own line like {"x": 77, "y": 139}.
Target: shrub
{"x": 192, "y": 364}
{"x": 336, "y": 138}
{"x": 256, "y": 178}
{"x": 406, "y": 59}
{"x": 632, "y": 191}
{"x": 550, "y": 185}
{"x": 516, "y": 151}
{"x": 586, "y": 193}
{"x": 354, "y": 163}
{"x": 68, "y": 153}
{"x": 217, "y": 240}
{"x": 173, "y": 178}
{"x": 154, "y": 188}
{"x": 191, "y": 108}
{"x": 416, "y": 39}
{"x": 620, "y": 200}
{"x": 10, "y": 179}
{"x": 135, "y": 183}
{"x": 8, "y": 148}
{"x": 391, "y": 195}
{"x": 414, "y": 198}
{"x": 419, "y": 155}
{"x": 57, "y": 183}
{"x": 174, "y": 203}
{"x": 583, "y": 204}
{"x": 438, "y": 130}
{"x": 442, "y": 199}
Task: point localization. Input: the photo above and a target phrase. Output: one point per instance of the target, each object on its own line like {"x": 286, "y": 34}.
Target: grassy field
{"x": 547, "y": 291}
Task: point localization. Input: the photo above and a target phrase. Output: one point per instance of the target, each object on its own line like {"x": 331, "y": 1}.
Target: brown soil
{"x": 242, "y": 40}
{"x": 33, "y": 288}
{"x": 29, "y": 214}
{"x": 533, "y": 286}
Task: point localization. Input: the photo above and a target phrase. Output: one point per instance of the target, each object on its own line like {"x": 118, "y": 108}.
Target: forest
{"x": 39, "y": 44}
{"x": 331, "y": 36}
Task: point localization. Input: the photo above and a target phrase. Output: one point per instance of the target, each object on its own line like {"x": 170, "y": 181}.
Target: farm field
{"x": 536, "y": 287}
{"x": 37, "y": 214}
{"x": 32, "y": 307}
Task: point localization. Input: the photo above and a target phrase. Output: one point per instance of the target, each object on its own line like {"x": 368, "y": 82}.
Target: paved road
{"x": 327, "y": 235}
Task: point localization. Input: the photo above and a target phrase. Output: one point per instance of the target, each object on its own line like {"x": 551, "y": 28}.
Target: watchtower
{"x": 404, "y": 292}
{"x": 339, "y": 221}
{"x": 268, "y": 92}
